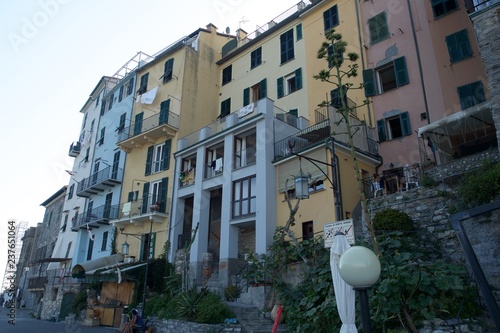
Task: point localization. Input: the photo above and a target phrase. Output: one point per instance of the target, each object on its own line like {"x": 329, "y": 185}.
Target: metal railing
{"x": 100, "y": 214}
{"x": 109, "y": 173}
{"x": 139, "y": 207}
{"x": 148, "y": 124}
{"x": 473, "y": 6}
{"x": 302, "y": 139}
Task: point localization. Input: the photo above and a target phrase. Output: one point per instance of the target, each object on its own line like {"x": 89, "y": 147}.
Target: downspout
{"x": 361, "y": 52}
{"x": 419, "y": 62}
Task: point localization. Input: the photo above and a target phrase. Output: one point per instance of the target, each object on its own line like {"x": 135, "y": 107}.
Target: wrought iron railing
{"x": 148, "y": 124}
{"x": 109, "y": 173}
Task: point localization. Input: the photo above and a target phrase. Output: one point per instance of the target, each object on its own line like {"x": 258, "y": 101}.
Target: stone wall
{"x": 176, "y": 326}
{"x": 52, "y": 299}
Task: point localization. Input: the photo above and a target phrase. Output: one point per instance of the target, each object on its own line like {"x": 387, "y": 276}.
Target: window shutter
{"x": 149, "y": 160}
{"x": 263, "y": 88}
{"x": 463, "y": 42}
{"x": 283, "y": 48}
{"x": 164, "y": 111}
{"x": 225, "y": 108}
{"x": 165, "y": 159}
{"x": 369, "y": 82}
{"x": 163, "y": 195}
{"x": 103, "y": 106}
{"x": 116, "y": 161}
{"x": 299, "y": 31}
{"x": 121, "y": 126}
{"x": 400, "y": 71}
{"x": 451, "y": 42}
{"x": 167, "y": 73}
{"x": 405, "y": 123}
{"x": 381, "y": 130}
{"x": 120, "y": 94}
{"x": 130, "y": 197}
{"x": 138, "y": 123}
{"x": 281, "y": 91}
{"x": 130, "y": 86}
{"x": 145, "y": 197}
{"x": 246, "y": 96}
{"x": 298, "y": 78}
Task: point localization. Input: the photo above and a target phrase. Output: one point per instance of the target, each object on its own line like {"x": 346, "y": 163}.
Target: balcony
{"x": 245, "y": 157}
{"x": 143, "y": 210}
{"x": 477, "y": 5}
{"x": 95, "y": 217}
{"x": 363, "y": 139}
{"x": 99, "y": 181}
{"x": 37, "y": 283}
{"x": 148, "y": 130}
{"x": 74, "y": 149}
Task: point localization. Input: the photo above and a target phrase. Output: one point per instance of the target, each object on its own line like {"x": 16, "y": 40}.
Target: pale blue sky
{"x": 53, "y": 53}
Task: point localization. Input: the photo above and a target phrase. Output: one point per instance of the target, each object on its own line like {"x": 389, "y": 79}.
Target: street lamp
{"x": 359, "y": 267}
{"x": 125, "y": 251}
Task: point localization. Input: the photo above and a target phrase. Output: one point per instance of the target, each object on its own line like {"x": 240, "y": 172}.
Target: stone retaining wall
{"x": 176, "y": 326}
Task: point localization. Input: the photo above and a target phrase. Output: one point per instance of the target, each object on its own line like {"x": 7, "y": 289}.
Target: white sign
{"x": 330, "y": 229}
{"x": 245, "y": 110}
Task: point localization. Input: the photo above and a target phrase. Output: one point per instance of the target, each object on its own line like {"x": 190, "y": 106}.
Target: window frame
{"x": 168, "y": 70}
{"x": 474, "y": 92}
{"x": 331, "y": 17}
{"x": 287, "y": 48}
{"x": 442, "y": 5}
{"x": 227, "y": 74}
{"x": 244, "y": 196}
{"x": 385, "y": 130}
{"x": 143, "y": 87}
{"x": 459, "y": 47}
{"x": 256, "y": 58}
{"x": 376, "y": 26}
{"x": 225, "y": 107}
{"x": 372, "y": 80}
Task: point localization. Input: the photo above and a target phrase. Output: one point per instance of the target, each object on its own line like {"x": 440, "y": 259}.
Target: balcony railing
{"x": 244, "y": 157}
{"x": 187, "y": 177}
{"x": 74, "y": 149}
{"x": 363, "y": 139}
{"x": 215, "y": 168}
{"x": 99, "y": 181}
{"x": 477, "y": 5}
{"x": 96, "y": 216}
{"x": 160, "y": 125}
{"x": 142, "y": 209}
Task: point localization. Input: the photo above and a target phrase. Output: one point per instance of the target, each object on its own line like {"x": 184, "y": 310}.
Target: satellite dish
{"x": 228, "y": 30}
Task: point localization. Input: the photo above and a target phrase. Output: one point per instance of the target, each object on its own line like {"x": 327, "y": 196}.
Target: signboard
{"x": 245, "y": 110}
{"x": 330, "y": 229}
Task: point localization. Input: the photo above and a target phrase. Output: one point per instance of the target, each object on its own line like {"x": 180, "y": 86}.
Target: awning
{"x": 457, "y": 122}
{"x": 86, "y": 267}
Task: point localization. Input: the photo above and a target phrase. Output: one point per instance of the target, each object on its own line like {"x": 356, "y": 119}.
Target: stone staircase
{"x": 253, "y": 320}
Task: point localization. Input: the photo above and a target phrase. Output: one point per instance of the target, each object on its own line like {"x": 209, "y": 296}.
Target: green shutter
{"x": 298, "y": 78}
{"x": 246, "y": 96}
{"x": 149, "y": 161}
{"x": 463, "y": 41}
{"x": 165, "y": 159}
{"x": 400, "y": 71}
{"x": 164, "y": 111}
{"x": 163, "y": 194}
{"x": 225, "y": 108}
{"x": 130, "y": 197}
{"x": 116, "y": 161}
{"x": 451, "y": 42}
{"x": 121, "y": 126}
{"x": 299, "y": 31}
{"x": 138, "y": 123}
{"x": 381, "y": 130}
{"x": 405, "y": 123}
{"x": 263, "y": 88}
{"x": 145, "y": 197}
{"x": 369, "y": 82}
{"x": 281, "y": 91}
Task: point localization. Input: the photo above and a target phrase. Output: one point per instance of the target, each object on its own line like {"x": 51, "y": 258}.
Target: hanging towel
{"x": 149, "y": 97}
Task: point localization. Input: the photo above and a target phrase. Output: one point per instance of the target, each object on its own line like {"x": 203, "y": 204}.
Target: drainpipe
{"x": 419, "y": 63}
{"x": 361, "y": 52}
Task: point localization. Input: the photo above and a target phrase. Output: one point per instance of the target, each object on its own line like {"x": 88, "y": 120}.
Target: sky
{"x": 54, "y": 52}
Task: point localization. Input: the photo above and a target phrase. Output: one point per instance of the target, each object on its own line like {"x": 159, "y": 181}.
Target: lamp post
{"x": 125, "y": 251}
{"x": 360, "y": 268}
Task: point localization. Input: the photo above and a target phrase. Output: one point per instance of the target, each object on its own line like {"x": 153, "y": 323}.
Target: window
{"x": 379, "y": 30}
{"x": 227, "y": 74}
{"x": 104, "y": 241}
{"x": 168, "y": 70}
{"x": 164, "y": 111}
{"x": 244, "y": 197}
{"x": 96, "y": 101}
{"x": 386, "y": 77}
{"x": 101, "y": 139}
{"x": 214, "y": 161}
{"x": 143, "y": 87}
{"x": 107, "y": 206}
{"x": 245, "y": 150}
{"x": 298, "y": 29}
{"x": 307, "y": 230}
{"x": 334, "y": 56}
{"x": 458, "y": 46}
{"x": 158, "y": 158}
{"x": 111, "y": 100}
{"x": 138, "y": 123}
{"x": 87, "y": 155}
{"x": 225, "y": 108}
{"x": 256, "y": 58}
{"x": 471, "y": 94}
{"x": 92, "y": 123}
{"x": 258, "y": 91}
{"x": 442, "y": 7}
{"x": 67, "y": 250}
{"x": 65, "y": 224}
{"x": 290, "y": 83}
{"x": 71, "y": 191}
{"x": 336, "y": 98}
{"x": 331, "y": 18}
{"x": 121, "y": 124}
{"x": 154, "y": 196}
{"x": 316, "y": 186}
{"x": 393, "y": 127}
{"x": 130, "y": 86}
{"x": 120, "y": 94}
{"x": 103, "y": 106}
{"x": 286, "y": 46}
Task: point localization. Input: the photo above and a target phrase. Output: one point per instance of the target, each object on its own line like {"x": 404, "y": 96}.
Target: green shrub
{"x": 187, "y": 302}
{"x": 427, "y": 181}
{"x": 211, "y": 310}
{"x": 231, "y": 293}
{"x": 480, "y": 186}
{"x": 393, "y": 220}
{"x": 79, "y": 302}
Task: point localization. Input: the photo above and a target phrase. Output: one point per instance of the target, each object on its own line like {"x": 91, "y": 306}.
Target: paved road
{"x": 24, "y": 323}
